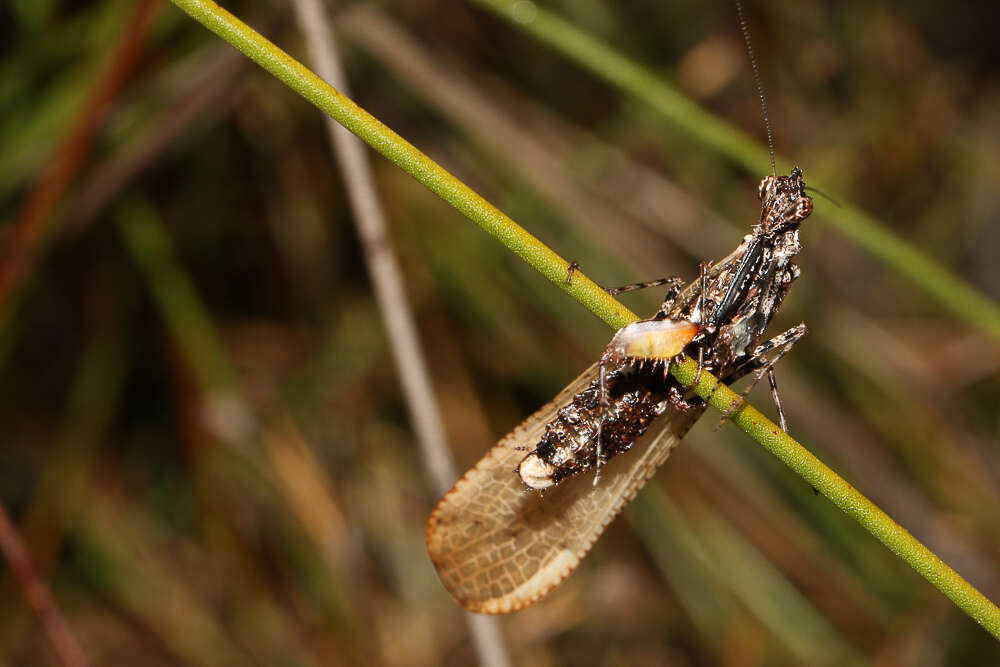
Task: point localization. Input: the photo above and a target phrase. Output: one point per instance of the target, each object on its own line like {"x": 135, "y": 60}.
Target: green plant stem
{"x": 463, "y": 198}
{"x": 951, "y": 292}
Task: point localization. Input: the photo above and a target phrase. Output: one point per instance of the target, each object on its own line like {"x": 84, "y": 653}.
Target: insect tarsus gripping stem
{"x": 570, "y": 270}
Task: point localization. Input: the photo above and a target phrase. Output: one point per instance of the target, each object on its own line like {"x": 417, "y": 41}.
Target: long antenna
{"x": 756, "y": 77}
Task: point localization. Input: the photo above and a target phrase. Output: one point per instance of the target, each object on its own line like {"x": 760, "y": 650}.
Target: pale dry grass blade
{"x": 545, "y": 150}
{"x": 387, "y": 279}
{"x": 307, "y": 491}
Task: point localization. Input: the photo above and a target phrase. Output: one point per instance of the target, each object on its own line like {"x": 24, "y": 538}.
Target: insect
{"x": 501, "y": 539}
{"x": 724, "y": 317}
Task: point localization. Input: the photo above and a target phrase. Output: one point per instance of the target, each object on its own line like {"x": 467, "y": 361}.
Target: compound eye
{"x": 803, "y": 207}
{"x": 765, "y": 185}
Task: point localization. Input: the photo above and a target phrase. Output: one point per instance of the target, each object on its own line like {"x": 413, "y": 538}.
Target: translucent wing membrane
{"x": 498, "y": 547}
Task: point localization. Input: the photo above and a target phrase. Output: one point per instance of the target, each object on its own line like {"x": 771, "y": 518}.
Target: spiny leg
{"x": 570, "y": 270}
{"x": 643, "y": 285}
{"x": 701, "y": 366}
{"x": 773, "y": 381}
{"x": 672, "y": 281}
{"x": 679, "y": 359}
{"x": 786, "y": 339}
{"x": 677, "y": 400}
{"x": 705, "y": 268}
{"x": 669, "y": 298}
{"x": 782, "y": 343}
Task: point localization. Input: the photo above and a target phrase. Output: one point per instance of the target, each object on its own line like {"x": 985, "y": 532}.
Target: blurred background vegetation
{"x": 202, "y": 438}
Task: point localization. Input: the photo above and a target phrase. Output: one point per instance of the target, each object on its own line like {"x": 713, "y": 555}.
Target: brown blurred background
{"x": 203, "y": 442}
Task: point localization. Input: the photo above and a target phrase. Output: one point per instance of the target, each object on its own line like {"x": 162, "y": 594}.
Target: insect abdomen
{"x": 569, "y": 444}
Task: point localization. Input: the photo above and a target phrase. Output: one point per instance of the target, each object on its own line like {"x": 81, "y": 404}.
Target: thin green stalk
{"x": 463, "y": 198}
{"x": 954, "y": 294}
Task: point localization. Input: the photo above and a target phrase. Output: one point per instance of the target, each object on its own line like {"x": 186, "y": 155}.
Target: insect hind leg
{"x": 759, "y": 364}
{"x": 773, "y": 381}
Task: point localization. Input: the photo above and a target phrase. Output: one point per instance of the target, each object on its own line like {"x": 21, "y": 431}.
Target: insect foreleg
{"x": 675, "y": 284}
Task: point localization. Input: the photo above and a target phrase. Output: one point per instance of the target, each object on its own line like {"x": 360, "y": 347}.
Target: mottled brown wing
{"x": 498, "y": 547}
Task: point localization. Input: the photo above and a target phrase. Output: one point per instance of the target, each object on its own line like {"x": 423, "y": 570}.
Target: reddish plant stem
{"x": 38, "y": 596}
{"x": 29, "y": 228}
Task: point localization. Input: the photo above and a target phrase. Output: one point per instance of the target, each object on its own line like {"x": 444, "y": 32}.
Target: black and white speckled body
{"x": 728, "y": 309}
